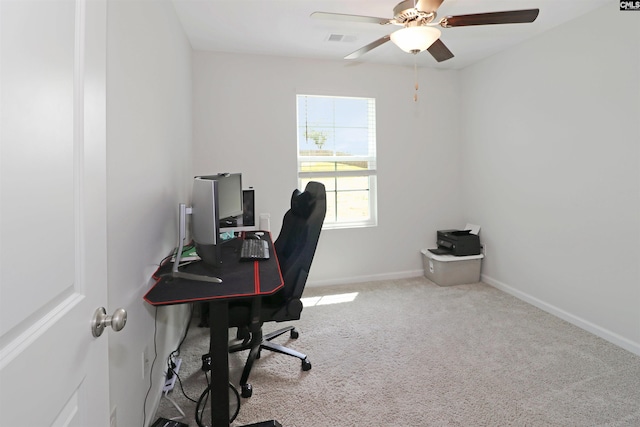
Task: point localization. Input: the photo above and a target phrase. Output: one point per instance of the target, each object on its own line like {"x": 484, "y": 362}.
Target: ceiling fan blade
{"x": 428, "y": 5}
{"x": 350, "y": 18}
{"x": 358, "y": 53}
{"x": 507, "y": 17}
{"x": 439, "y": 51}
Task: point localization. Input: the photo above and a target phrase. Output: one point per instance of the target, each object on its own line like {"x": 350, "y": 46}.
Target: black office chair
{"x": 295, "y": 248}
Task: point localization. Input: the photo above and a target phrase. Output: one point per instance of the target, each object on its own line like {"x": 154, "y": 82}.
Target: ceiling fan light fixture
{"x": 415, "y": 39}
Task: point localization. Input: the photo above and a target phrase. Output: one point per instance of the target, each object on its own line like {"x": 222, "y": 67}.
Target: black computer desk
{"x": 240, "y": 279}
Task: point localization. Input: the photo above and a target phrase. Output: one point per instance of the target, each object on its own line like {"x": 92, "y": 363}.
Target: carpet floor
{"x": 411, "y": 353}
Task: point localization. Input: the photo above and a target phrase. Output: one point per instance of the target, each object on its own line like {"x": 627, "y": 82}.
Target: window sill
{"x": 343, "y": 225}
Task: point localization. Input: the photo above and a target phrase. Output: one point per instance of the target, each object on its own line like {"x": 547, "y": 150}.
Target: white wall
{"x": 245, "y": 121}
{"x": 551, "y": 156}
{"x": 149, "y": 167}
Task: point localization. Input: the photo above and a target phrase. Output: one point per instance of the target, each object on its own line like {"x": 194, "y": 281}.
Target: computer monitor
{"x": 229, "y": 200}
{"x": 244, "y": 222}
{"x": 215, "y": 198}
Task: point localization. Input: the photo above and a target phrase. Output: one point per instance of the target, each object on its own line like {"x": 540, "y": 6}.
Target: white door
{"x": 53, "y": 372}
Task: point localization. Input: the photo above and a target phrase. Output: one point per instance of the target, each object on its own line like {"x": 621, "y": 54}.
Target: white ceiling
{"x": 284, "y": 28}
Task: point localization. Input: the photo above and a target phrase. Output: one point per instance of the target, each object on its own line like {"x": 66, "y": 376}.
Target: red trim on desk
{"x": 265, "y": 273}
{"x": 256, "y": 291}
{"x": 256, "y": 277}
{"x": 275, "y": 255}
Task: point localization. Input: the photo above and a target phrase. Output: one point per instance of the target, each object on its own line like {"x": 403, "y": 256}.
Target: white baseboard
{"x": 369, "y": 278}
{"x": 599, "y": 331}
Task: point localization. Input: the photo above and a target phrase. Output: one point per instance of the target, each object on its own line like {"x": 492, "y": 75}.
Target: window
{"x": 337, "y": 146}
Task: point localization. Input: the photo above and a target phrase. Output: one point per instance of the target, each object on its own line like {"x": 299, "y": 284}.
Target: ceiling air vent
{"x": 341, "y": 38}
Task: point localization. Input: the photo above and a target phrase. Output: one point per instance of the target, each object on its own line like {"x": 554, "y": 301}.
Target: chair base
{"x": 256, "y": 344}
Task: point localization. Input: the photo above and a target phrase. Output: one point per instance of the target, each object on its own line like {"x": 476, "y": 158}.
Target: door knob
{"x": 100, "y": 320}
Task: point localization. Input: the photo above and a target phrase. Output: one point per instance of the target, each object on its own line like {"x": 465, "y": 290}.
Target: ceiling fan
{"x": 419, "y": 32}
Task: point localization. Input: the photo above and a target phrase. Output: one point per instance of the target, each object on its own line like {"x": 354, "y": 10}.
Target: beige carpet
{"x": 411, "y": 353}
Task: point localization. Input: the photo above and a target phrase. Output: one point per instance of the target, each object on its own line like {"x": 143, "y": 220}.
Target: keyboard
{"x": 254, "y": 249}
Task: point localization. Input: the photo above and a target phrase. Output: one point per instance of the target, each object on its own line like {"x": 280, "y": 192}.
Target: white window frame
{"x": 370, "y": 172}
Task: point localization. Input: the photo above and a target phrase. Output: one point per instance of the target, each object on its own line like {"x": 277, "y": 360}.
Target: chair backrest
{"x": 296, "y": 244}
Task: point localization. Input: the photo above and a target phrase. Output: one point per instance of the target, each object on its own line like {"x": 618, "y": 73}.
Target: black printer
{"x": 457, "y": 242}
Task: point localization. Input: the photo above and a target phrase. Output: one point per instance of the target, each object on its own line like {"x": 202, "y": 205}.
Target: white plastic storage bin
{"x": 448, "y": 270}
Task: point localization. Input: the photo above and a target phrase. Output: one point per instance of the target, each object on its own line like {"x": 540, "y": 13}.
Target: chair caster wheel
{"x": 294, "y": 334}
{"x": 247, "y": 391}
{"x": 306, "y": 365}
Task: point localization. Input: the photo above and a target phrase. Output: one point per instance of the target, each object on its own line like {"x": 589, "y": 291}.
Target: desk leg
{"x": 219, "y": 351}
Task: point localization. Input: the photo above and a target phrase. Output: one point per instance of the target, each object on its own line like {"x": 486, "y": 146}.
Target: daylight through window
{"x": 337, "y": 146}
